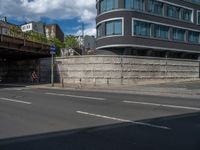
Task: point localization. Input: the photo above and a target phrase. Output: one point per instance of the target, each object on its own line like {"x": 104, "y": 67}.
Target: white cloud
{"x": 88, "y": 31}
{"x": 84, "y": 10}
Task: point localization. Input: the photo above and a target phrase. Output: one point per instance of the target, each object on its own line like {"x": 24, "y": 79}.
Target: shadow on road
{"x": 4, "y": 85}
{"x": 184, "y": 134}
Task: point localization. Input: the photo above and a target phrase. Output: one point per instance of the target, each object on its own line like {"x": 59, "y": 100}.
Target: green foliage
{"x": 57, "y": 43}
{"x": 15, "y": 31}
{"x": 35, "y": 36}
{"x": 71, "y": 42}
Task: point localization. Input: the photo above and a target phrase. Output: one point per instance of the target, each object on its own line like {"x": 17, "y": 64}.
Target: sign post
{"x": 52, "y": 52}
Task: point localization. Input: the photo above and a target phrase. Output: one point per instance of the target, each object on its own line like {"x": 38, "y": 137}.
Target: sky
{"x": 69, "y": 14}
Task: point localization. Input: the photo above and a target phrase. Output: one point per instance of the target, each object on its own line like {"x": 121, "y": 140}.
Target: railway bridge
{"x": 20, "y": 54}
{"x": 19, "y": 45}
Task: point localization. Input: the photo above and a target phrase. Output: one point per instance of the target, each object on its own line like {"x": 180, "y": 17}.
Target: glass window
{"x": 109, "y": 5}
{"x": 193, "y": 37}
{"x": 198, "y": 17}
{"x": 186, "y": 15}
{"x": 100, "y": 31}
{"x": 173, "y": 11}
{"x": 161, "y": 31}
{"x": 106, "y": 5}
{"x": 141, "y": 28}
{"x": 102, "y": 6}
{"x": 178, "y": 34}
{"x": 114, "y": 27}
{"x": 155, "y": 7}
{"x": 134, "y": 4}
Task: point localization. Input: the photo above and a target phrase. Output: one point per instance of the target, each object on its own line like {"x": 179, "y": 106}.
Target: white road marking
{"x": 123, "y": 120}
{"x": 162, "y": 105}
{"x": 14, "y": 100}
{"x": 76, "y": 96}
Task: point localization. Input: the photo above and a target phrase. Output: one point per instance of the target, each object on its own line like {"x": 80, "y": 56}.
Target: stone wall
{"x": 124, "y": 70}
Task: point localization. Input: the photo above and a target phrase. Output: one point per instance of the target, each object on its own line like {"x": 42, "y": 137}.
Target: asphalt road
{"x": 44, "y": 119}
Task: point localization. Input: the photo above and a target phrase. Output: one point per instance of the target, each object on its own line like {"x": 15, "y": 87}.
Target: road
{"x": 38, "y": 119}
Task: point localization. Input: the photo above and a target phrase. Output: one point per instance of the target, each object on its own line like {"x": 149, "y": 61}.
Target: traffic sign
{"x": 53, "y": 49}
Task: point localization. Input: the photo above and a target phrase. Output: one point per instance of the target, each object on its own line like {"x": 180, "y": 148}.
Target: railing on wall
{"x": 17, "y": 33}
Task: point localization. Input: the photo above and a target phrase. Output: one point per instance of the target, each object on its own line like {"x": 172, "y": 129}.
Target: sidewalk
{"x": 189, "y": 89}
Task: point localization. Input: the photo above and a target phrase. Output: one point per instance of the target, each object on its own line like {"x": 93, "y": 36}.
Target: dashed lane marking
{"x": 15, "y": 100}
{"x": 76, "y": 96}
{"x": 123, "y": 120}
{"x": 162, "y": 105}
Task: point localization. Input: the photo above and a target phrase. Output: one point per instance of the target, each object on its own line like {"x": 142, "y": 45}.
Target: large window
{"x": 161, "y": 31}
{"x": 114, "y": 27}
{"x": 134, "y": 4}
{"x": 186, "y": 15}
{"x": 178, "y": 34}
{"x": 99, "y": 31}
{"x": 141, "y": 28}
{"x": 193, "y": 37}
{"x": 173, "y": 11}
{"x": 155, "y": 7}
{"x": 198, "y": 17}
{"x": 106, "y": 5}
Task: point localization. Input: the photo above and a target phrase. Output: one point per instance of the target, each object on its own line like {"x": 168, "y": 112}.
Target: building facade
{"x": 149, "y": 27}
{"x": 33, "y": 26}
{"x": 89, "y": 42}
{"x": 54, "y": 31}
{"x": 6, "y": 26}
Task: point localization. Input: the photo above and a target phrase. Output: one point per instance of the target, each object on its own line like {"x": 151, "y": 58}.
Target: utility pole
{"x": 83, "y": 34}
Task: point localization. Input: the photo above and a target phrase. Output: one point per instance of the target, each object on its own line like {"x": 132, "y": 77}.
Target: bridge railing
{"x": 17, "y": 33}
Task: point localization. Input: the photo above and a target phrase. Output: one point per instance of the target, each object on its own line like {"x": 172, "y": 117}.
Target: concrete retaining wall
{"x": 123, "y": 70}
{"x": 101, "y": 70}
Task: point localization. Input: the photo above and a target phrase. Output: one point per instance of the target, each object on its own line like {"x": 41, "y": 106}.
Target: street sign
{"x": 52, "y": 52}
{"x": 53, "y": 49}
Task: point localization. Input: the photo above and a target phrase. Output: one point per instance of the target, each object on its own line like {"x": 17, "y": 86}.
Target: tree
{"x": 71, "y": 42}
{"x": 57, "y": 43}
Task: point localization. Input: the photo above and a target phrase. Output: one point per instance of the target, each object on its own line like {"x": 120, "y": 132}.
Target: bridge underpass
{"x": 19, "y": 56}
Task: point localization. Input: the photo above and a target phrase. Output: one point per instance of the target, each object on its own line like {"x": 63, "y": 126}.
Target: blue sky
{"x": 68, "y": 14}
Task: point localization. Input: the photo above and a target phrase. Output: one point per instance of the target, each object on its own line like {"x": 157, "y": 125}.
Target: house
{"x": 33, "y": 26}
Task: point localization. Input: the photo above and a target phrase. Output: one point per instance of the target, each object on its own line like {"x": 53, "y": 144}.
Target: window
{"x": 141, "y": 28}
{"x": 155, "y": 7}
{"x": 178, "y": 34}
{"x": 161, "y": 31}
{"x": 114, "y": 27}
{"x": 99, "y": 31}
{"x": 198, "y": 17}
{"x": 193, "y": 37}
{"x": 106, "y": 5}
{"x": 134, "y": 4}
{"x": 4, "y": 30}
{"x": 173, "y": 11}
{"x": 186, "y": 15}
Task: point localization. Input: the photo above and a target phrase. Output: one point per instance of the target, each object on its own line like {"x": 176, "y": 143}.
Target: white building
{"x": 87, "y": 42}
{"x": 33, "y": 26}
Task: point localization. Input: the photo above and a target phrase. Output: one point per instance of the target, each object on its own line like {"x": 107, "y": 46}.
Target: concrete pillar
{"x": 198, "y": 57}
{"x": 199, "y": 64}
